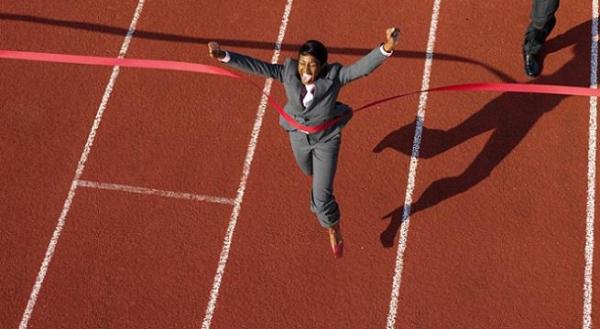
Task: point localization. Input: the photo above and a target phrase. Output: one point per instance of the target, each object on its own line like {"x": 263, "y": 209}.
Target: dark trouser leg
{"x": 542, "y": 23}
{"x": 324, "y": 158}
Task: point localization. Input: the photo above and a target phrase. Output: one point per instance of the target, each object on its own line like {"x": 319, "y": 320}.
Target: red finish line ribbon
{"x": 500, "y": 87}
{"x": 109, "y": 61}
{"x": 215, "y": 70}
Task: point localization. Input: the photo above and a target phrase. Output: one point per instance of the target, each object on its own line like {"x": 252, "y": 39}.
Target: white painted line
{"x": 412, "y": 172}
{"x": 152, "y": 191}
{"x": 591, "y": 175}
{"x": 214, "y": 292}
{"x": 80, "y": 167}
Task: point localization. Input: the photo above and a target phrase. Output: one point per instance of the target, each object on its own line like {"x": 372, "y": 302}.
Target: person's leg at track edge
{"x": 542, "y": 22}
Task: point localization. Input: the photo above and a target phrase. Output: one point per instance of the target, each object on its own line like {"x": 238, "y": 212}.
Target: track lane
{"x": 280, "y": 249}
{"x": 498, "y": 226}
{"x": 46, "y": 113}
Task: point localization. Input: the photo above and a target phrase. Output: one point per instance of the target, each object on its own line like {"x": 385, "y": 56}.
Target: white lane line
{"x": 412, "y": 172}
{"x": 214, "y": 292}
{"x": 591, "y": 175}
{"x": 80, "y": 167}
{"x": 152, "y": 191}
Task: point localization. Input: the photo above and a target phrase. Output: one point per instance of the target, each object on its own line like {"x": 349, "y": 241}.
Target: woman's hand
{"x": 214, "y": 50}
{"x": 392, "y": 36}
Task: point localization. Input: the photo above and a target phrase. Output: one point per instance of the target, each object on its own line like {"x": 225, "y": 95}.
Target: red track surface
{"x": 496, "y": 236}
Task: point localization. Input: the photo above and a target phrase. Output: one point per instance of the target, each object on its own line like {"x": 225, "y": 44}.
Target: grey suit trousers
{"x": 542, "y": 23}
{"x": 317, "y": 156}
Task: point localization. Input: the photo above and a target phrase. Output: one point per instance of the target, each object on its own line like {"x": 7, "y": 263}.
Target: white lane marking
{"x": 152, "y": 191}
{"x": 214, "y": 292}
{"x": 412, "y": 172}
{"x": 80, "y": 167}
{"x": 591, "y": 175}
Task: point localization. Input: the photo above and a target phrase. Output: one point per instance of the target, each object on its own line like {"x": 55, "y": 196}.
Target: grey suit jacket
{"x": 331, "y": 79}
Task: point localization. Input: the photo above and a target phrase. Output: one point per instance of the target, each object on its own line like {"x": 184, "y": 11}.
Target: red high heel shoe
{"x": 335, "y": 239}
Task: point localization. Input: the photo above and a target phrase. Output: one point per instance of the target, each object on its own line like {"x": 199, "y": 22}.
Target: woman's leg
{"x": 324, "y": 161}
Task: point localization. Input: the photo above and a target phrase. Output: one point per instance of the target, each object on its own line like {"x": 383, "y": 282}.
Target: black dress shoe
{"x": 533, "y": 66}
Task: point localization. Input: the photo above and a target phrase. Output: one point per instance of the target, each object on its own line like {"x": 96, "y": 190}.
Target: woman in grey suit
{"x": 312, "y": 86}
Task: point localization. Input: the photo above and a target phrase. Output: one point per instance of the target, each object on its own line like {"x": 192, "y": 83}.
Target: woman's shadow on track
{"x": 510, "y": 116}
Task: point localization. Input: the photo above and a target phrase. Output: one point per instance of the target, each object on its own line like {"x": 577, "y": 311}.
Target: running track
{"x": 153, "y": 199}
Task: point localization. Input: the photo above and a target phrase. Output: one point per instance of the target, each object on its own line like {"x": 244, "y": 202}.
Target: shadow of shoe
{"x": 388, "y": 236}
{"x": 432, "y": 141}
{"x": 399, "y": 140}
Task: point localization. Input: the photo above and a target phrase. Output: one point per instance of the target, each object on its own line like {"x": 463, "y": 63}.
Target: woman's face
{"x": 308, "y": 68}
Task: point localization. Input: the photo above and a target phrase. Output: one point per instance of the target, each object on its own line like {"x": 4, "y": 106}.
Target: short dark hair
{"x": 316, "y": 49}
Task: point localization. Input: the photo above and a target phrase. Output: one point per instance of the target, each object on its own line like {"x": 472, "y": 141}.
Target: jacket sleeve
{"x": 255, "y": 66}
{"x": 362, "y": 67}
